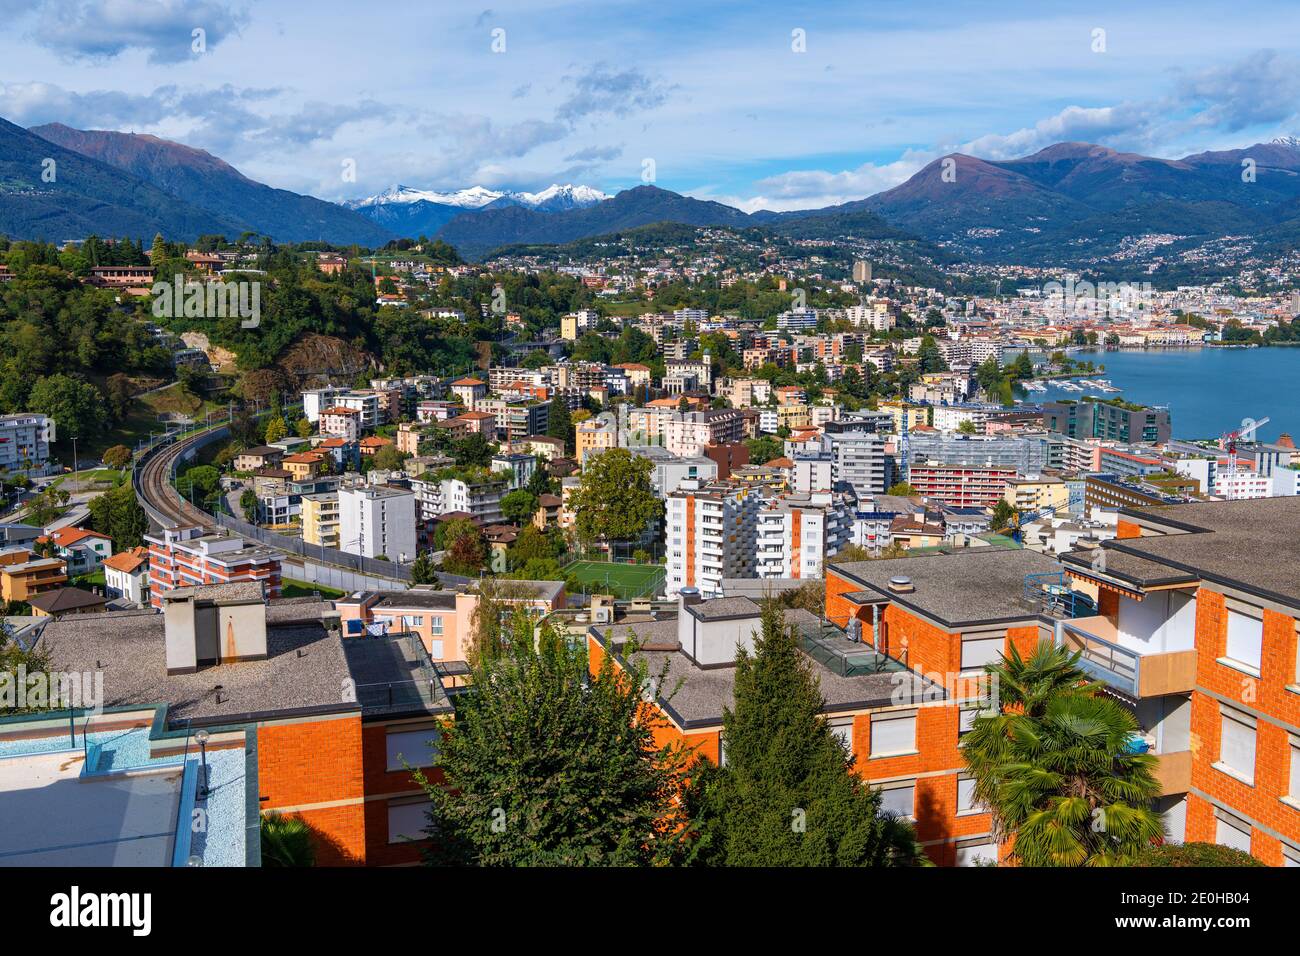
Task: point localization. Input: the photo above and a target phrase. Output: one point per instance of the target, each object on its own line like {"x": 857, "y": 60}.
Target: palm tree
{"x": 286, "y": 841}
{"x": 1056, "y": 768}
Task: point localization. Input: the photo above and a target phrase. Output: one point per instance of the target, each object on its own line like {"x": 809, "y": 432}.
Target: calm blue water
{"x": 1208, "y": 390}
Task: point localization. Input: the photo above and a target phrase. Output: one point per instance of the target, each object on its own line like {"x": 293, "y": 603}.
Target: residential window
{"x": 975, "y": 854}
{"x": 1290, "y": 855}
{"x": 966, "y": 721}
{"x": 407, "y": 821}
{"x": 843, "y": 732}
{"x": 436, "y": 650}
{"x": 1237, "y": 744}
{"x": 966, "y": 802}
{"x": 898, "y": 801}
{"x": 1231, "y": 831}
{"x": 435, "y": 625}
{"x": 893, "y": 734}
{"x": 980, "y": 651}
{"x": 1293, "y": 790}
{"x": 1245, "y": 640}
{"x": 415, "y": 748}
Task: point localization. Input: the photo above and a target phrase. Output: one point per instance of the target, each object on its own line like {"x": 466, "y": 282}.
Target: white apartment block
{"x": 377, "y": 521}
{"x": 365, "y": 403}
{"x": 25, "y": 441}
{"x": 315, "y": 400}
{"x": 687, "y": 433}
{"x": 1242, "y": 485}
{"x": 480, "y": 499}
{"x": 797, "y": 533}
{"x": 710, "y": 536}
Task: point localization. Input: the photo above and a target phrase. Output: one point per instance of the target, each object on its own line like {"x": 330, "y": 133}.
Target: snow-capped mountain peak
{"x": 552, "y": 197}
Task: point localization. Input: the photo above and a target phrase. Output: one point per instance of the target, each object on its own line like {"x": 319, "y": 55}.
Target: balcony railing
{"x": 1131, "y": 672}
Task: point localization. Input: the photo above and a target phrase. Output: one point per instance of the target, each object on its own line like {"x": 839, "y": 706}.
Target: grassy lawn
{"x": 290, "y": 588}
{"x": 621, "y": 580}
{"x": 88, "y": 581}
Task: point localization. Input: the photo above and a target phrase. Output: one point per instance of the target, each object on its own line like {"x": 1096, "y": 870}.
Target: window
{"x": 436, "y": 650}
{"x": 1294, "y": 790}
{"x": 435, "y": 625}
{"x": 415, "y": 748}
{"x": 966, "y": 802}
{"x": 893, "y": 734}
{"x": 1231, "y": 831}
{"x": 975, "y": 854}
{"x": 406, "y": 821}
{"x": 966, "y": 722}
{"x": 1245, "y": 640}
{"x": 1237, "y": 744}
{"x": 843, "y": 732}
{"x": 985, "y": 650}
{"x": 898, "y": 801}
{"x": 412, "y": 620}
{"x": 1290, "y": 855}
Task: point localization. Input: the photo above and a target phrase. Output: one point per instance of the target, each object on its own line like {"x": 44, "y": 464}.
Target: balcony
{"x": 1131, "y": 672}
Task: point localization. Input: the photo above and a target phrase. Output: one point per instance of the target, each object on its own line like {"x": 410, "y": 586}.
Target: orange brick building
{"x": 1198, "y": 630}
{"x": 900, "y": 661}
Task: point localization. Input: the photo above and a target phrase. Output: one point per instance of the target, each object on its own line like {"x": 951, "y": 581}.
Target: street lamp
{"x": 202, "y": 737}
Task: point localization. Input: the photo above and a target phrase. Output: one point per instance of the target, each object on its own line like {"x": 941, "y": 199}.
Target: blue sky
{"x": 714, "y": 93}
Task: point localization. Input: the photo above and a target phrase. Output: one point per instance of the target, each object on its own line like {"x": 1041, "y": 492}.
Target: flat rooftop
{"x": 696, "y": 696}
{"x": 1254, "y": 544}
{"x": 112, "y": 821}
{"x": 983, "y": 586}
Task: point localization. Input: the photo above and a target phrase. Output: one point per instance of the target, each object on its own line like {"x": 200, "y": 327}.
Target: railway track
{"x": 154, "y": 488}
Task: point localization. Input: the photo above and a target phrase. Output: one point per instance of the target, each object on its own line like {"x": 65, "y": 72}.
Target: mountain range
{"x": 421, "y": 212}
{"x": 1069, "y": 202}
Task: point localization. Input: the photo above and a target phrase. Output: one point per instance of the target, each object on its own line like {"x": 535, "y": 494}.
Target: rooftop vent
{"x": 901, "y": 584}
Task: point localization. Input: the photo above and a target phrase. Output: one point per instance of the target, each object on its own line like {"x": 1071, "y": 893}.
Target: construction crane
{"x": 1229, "y": 440}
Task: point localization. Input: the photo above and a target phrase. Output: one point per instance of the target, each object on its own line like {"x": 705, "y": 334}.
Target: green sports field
{"x": 620, "y": 580}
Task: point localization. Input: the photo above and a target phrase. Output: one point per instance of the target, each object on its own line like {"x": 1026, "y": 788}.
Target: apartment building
{"x": 861, "y": 461}
{"x": 899, "y": 661}
{"x": 126, "y": 576}
{"x": 593, "y": 436}
{"x": 1197, "y": 631}
{"x": 320, "y": 519}
{"x": 24, "y": 573}
{"x": 478, "y": 496}
{"x": 340, "y": 422}
{"x": 1116, "y": 420}
{"x": 365, "y": 403}
{"x": 316, "y": 399}
{"x": 25, "y": 442}
{"x": 191, "y": 556}
{"x": 688, "y": 433}
{"x": 796, "y": 533}
{"x": 960, "y": 486}
{"x": 710, "y": 535}
{"x": 283, "y": 737}
{"x": 378, "y": 521}
{"x": 1038, "y": 493}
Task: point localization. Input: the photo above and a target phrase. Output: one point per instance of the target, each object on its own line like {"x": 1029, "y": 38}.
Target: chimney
{"x": 901, "y": 584}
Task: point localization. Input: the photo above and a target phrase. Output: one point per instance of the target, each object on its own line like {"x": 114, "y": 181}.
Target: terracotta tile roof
{"x": 128, "y": 561}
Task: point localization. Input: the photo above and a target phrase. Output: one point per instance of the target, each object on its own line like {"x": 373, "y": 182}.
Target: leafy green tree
{"x": 119, "y": 515}
{"x": 1056, "y": 768}
{"x": 519, "y": 506}
{"x": 248, "y": 505}
{"x": 787, "y": 794}
{"x": 303, "y": 428}
{"x": 615, "y": 499}
{"x": 902, "y": 489}
{"x": 473, "y": 451}
{"x": 539, "y": 482}
{"x": 763, "y": 449}
{"x": 560, "y": 422}
{"x": 549, "y": 764}
{"x": 967, "y": 427}
{"x": 465, "y": 551}
{"x": 1004, "y": 515}
{"x": 276, "y": 429}
{"x": 423, "y": 570}
{"x": 389, "y": 458}
{"x": 77, "y": 407}
{"x": 534, "y": 544}
{"x": 119, "y": 456}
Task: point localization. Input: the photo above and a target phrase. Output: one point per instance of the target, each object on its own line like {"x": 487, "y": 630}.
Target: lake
{"x": 1208, "y": 390}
